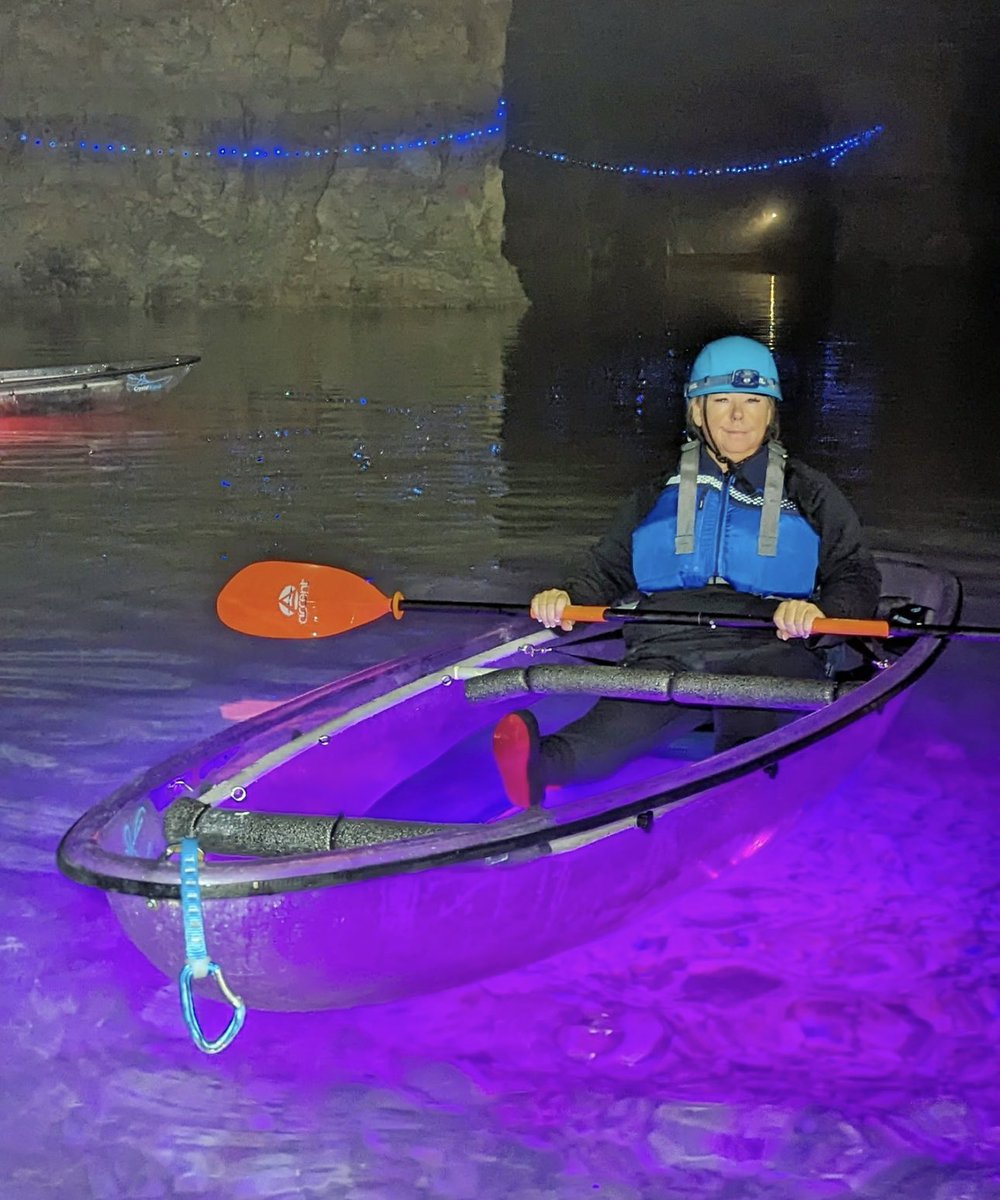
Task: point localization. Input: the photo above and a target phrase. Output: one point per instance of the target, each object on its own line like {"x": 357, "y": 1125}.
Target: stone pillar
{"x": 114, "y": 117}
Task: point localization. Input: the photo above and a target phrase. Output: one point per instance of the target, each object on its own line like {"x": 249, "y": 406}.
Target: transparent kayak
{"x": 70, "y": 388}
{"x": 357, "y": 847}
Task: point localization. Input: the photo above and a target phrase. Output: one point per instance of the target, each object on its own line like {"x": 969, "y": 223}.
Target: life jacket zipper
{"x": 724, "y": 505}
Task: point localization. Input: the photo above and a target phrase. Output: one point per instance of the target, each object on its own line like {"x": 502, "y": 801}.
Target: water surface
{"x": 821, "y": 1022}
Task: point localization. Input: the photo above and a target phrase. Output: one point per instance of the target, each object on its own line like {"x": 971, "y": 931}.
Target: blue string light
{"x": 250, "y": 154}
{"x": 832, "y": 153}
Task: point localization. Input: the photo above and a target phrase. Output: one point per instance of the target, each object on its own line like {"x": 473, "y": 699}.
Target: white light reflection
{"x": 771, "y": 312}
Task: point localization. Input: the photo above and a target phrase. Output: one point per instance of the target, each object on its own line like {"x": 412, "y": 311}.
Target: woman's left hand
{"x": 794, "y": 618}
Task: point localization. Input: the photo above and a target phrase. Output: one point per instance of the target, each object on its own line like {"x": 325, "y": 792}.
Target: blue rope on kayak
{"x": 198, "y": 965}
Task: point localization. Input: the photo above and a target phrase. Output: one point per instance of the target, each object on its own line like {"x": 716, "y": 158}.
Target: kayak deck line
{"x": 238, "y": 783}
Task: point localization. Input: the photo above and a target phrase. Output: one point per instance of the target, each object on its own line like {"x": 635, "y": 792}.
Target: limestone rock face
{"x": 112, "y": 119}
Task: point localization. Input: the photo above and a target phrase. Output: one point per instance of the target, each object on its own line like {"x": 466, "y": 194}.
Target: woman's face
{"x": 736, "y": 422}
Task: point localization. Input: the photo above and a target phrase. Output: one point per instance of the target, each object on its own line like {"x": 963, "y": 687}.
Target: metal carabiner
{"x": 198, "y": 964}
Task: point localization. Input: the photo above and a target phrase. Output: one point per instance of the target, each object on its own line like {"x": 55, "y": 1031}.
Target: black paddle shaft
{"x": 899, "y": 625}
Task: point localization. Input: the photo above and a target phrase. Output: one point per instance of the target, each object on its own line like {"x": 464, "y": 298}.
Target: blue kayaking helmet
{"x": 734, "y": 364}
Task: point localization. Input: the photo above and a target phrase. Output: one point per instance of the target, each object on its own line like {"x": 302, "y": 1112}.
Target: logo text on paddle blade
{"x": 293, "y": 601}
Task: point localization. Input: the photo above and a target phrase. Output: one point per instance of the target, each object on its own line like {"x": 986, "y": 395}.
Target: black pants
{"x": 615, "y": 731}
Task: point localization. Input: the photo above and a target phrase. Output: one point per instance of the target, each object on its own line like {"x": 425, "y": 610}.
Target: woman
{"x": 734, "y": 527}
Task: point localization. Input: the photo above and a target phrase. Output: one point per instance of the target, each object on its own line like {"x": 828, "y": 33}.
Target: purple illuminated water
{"x": 822, "y": 1022}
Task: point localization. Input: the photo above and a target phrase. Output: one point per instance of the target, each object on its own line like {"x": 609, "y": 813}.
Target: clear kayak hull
{"x": 436, "y": 881}
{"x": 53, "y": 390}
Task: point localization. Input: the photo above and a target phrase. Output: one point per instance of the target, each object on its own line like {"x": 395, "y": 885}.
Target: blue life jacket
{"x": 705, "y": 528}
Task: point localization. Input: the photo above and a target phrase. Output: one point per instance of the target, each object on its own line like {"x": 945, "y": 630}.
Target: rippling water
{"x": 821, "y": 1023}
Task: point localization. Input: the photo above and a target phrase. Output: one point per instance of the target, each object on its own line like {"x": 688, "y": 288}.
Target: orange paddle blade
{"x": 300, "y": 600}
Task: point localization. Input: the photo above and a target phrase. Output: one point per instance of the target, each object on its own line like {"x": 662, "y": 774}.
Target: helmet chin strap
{"x": 706, "y": 437}
{"x": 730, "y": 465}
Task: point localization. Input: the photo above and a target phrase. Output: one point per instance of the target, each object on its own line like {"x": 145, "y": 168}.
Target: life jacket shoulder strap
{"x": 774, "y": 486}
{"x": 687, "y": 497}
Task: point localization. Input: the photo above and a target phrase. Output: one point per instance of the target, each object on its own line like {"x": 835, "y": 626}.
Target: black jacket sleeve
{"x": 604, "y": 574}
{"x": 848, "y": 580}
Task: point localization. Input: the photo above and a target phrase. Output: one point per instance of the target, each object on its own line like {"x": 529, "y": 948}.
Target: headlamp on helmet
{"x": 734, "y": 364}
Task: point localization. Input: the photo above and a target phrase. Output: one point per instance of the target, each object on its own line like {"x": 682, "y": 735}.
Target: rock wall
{"x": 147, "y": 210}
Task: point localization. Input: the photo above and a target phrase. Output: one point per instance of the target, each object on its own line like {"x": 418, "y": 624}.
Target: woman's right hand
{"x": 547, "y": 607}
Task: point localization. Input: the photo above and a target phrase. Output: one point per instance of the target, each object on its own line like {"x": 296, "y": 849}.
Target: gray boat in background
{"x": 50, "y": 390}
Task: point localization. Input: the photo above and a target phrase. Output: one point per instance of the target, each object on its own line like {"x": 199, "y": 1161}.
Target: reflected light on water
{"x": 771, "y": 318}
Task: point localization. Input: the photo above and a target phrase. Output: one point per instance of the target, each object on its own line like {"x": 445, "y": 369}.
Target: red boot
{"x": 517, "y": 750}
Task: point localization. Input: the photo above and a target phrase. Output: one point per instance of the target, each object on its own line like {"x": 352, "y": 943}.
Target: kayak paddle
{"x": 307, "y": 600}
